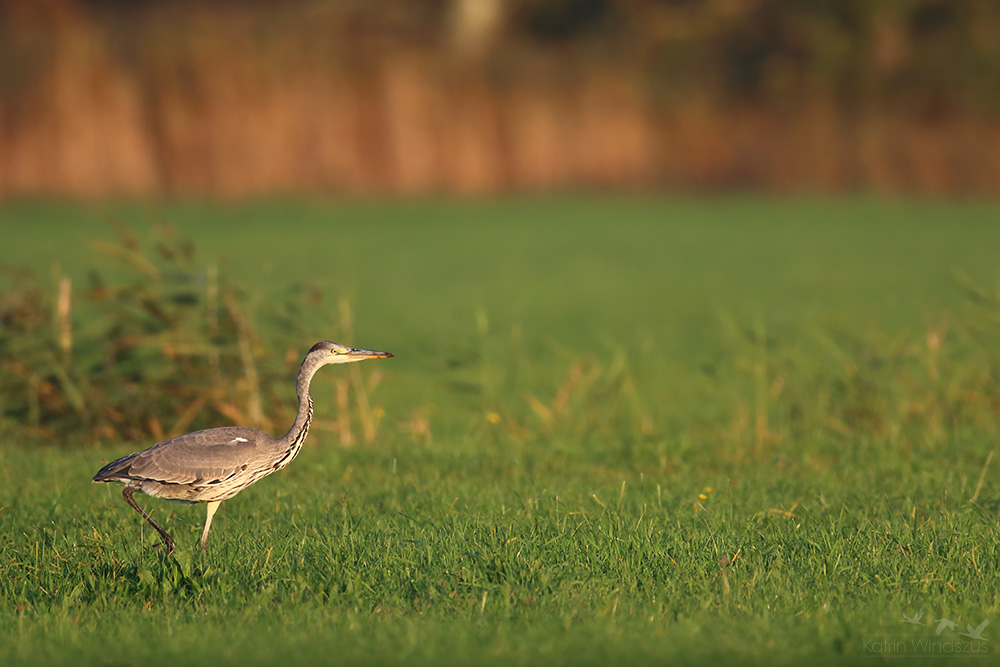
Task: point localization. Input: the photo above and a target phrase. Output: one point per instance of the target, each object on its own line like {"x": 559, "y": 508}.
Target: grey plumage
{"x": 215, "y": 464}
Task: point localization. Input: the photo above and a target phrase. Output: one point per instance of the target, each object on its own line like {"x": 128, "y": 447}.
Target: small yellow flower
{"x": 493, "y": 417}
{"x": 702, "y": 496}
{"x": 378, "y": 412}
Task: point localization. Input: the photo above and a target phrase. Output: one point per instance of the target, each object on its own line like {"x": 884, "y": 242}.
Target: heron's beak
{"x": 357, "y": 354}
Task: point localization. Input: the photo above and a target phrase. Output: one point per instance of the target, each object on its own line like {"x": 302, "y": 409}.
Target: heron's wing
{"x": 202, "y": 457}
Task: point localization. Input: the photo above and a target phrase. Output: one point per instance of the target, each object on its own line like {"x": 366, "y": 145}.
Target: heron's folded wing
{"x": 202, "y": 457}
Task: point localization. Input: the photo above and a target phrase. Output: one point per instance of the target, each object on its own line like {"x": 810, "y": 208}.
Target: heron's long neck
{"x": 293, "y": 439}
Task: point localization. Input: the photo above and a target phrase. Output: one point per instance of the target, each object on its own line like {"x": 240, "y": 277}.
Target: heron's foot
{"x": 168, "y": 543}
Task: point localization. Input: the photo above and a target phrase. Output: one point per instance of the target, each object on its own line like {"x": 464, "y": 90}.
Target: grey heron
{"x": 215, "y": 464}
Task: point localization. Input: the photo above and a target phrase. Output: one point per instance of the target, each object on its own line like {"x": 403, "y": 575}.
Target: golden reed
{"x": 229, "y": 102}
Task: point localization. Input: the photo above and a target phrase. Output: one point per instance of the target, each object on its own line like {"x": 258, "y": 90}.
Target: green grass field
{"x": 622, "y": 430}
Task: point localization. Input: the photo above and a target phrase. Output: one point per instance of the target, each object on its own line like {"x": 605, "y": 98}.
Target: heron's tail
{"x": 113, "y": 472}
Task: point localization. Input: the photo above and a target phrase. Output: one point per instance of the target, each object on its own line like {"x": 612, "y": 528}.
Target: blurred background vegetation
{"x": 157, "y": 100}
{"x": 222, "y": 98}
{"x": 750, "y": 325}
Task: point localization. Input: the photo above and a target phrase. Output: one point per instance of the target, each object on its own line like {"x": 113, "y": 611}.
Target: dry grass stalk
{"x": 63, "y": 316}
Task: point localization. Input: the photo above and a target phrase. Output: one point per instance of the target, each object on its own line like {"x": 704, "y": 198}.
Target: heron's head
{"x": 326, "y": 352}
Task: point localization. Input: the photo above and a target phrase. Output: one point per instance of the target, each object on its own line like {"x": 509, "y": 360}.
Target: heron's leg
{"x": 212, "y": 506}
{"x": 169, "y": 541}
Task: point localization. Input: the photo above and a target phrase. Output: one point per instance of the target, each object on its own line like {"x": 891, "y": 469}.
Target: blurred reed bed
{"x": 237, "y": 99}
{"x": 154, "y": 346}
